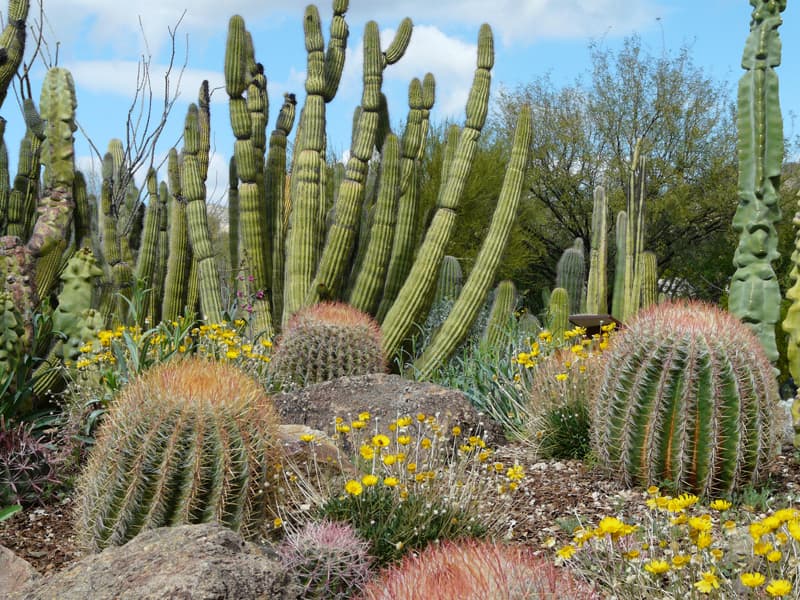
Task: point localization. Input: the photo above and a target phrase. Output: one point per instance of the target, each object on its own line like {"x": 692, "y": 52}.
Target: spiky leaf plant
{"x": 688, "y": 397}
{"x": 190, "y": 441}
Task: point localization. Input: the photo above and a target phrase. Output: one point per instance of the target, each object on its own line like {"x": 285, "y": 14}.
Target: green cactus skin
{"x": 597, "y": 287}
{"x": 12, "y": 43}
{"x": 570, "y": 272}
{"x": 204, "y": 123}
{"x": 634, "y": 235}
{"x": 233, "y": 220}
{"x": 420, "y": 102}
{"x": 371, "y": 277}
{"x": 275, "y": 186}
{"x": 82, "y": 215}
{"x": 469, "y": 302}
{"x": 419, "y": 283}
{"x": 146, "y": 262}
{"x": 338, "y": 250}
{"x": 189, "y": 441}
{"x": 687, "y": 396}
{"x": 73, "y": 316}
{"x": 621, "y": 231}
{"x": 25, "y": 192}
{"x": 529, "y": 326}
{"x": 558, "y": 312}
{"x": 326, "y": 341}
{"x": 178, "y": 258}
{"x": 754, "y": 291}
{"x": 194, "y": 190}
{"x": 335, "y": 55}
{"x": 450, "y": 282}
{"x": 791, "y": 324}
{"x": 5, "y": 180}
{"x": 501, "y": 315}
{"x": 12, "y": 333}
{"x": 119, "y": 271}
{"x": 649, "y": 279}
{"x": 162, "y": 253}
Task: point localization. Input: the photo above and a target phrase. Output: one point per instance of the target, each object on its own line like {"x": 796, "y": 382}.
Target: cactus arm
{"x": 558, "y": 312}
{"x": 418, "y": 285}
{"x": 754, "y": 291}
{"x": 649, "y": 279}
{"x": 146, "y": 261}
{"x": 335, "y": 54}
{"x": 472, "y": 296}
{"x": 621, "y": 232}
{"x": 5, "y": 179}
{"x": 450, "y": 281}
{"x": 12, "y": 43}
{"x": 500, "y": 315}
{"x": 569, "y": 274}
{"x": 178, "y": 257}
{"x": 371, "y": 276}
{"x": 194, "y": 189}
{"x": 597, "y": 288}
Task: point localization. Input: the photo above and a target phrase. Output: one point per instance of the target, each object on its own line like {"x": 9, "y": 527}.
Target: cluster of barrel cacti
{"x": 292, "y": 248}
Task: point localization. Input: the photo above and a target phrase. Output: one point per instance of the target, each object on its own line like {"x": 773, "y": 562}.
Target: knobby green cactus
{"x": 755, "y": 295}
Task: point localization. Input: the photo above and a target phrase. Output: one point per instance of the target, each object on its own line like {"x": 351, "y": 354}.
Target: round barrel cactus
{"x": 687, "y": 397}
{"x": 326, "y": 341}
{"x": 189, "y": 441}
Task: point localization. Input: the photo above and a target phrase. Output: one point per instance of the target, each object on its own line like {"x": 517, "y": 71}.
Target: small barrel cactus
{"x": 328, "y": 559}
{"x": 189, "y": 441}
{"x": 470, "y": 569}
{"x": 687, "y": 397}
{"x": 326, "y": 341}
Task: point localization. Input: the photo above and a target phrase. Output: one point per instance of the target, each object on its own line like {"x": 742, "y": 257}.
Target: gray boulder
{"x": 14, "y": 572}
{"x": 192, "y": 562}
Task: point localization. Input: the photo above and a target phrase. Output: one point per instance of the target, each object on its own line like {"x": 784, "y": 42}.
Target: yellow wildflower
{"x": 752, "y": 580}
{"x": 566, "y": 552}
{"x": 656, "y": 566}
{"x": 720, "y": 505}
{"x": 708, "y": 582}
{"x": 307, "y": 437}
{"x": 681, "y": 560}
{"x": 366, "y": 452}
{"x": 779, "y": 587}
{"x": 380, "y": 440}
{"x": 369, "y": 480}
{"x": 390, "y": 481}
{"x": 353, "y": 487}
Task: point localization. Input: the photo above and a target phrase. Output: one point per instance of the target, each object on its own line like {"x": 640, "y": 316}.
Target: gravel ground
{"x": 552, "y": 492}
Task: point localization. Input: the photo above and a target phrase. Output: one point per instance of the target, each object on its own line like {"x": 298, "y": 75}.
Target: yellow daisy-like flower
{"x": 389, "y": 460}
{"x": 358, "y": 424}
{"x": 404, "y": 440}
{"x": 456, "y": 431}
{"x": 761, "y": 548}
{"x": 609, "y": 525}
{"x": 380, "y": 440}
{"x": 681, "y": 560}
{"x": 86, "y": 348}
{"x": 266, "y": 343}
{"x": 390, "y": 481}
{"x": 708, "y": 582}
{"x": 412, "y": 467}
{"x": 757, "y": 529}
{"x": 630, "y": 554}
{"x": 353, "y": 487}
{"x": 515, "y": 473}
{"x": 794, "y": 528}
{"x": 364, "y": 416}
{"x": 656, "y": 566}
{"x": 778, "y": 588}
{"x": 717, "y": 553}
{"x": 343, "y": 428}
{"x": 307, "y": 437}
{"x": 369, "y": 480}
{"x": 701, "y": 523}
{"x": 561, "y": 377}
{"x": 425, "y": 443}
{"x": 421, "y": 417}
{"x": 566, "y": 552}
{"x": 681, "y": 503}
{"x": 277, "y": 522}
{"x": 786, "y": 514}
{"x": 703, "y": 540}
{"x": 752, "y": 580}
{"x": 404, "y": 421}
{"x": 774, "y": 556}
{"x": 366, "y": 452}
{"x": 232, "y": 354}
{"x": 653, "y": 490}
{"x": 720, "y": 505}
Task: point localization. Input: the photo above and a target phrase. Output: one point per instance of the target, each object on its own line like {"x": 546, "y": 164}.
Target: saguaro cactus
{"x": 597, "y": 287}
{"x": 755, "y": 294}
{"x": 570, "y": 273}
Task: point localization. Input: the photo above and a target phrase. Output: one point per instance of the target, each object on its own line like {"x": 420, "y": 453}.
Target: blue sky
{"x": 100, "y": 41}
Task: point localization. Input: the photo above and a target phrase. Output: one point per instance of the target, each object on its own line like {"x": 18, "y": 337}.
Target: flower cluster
{"x": 686, "y": 548}
{"x": 580, "y": 348}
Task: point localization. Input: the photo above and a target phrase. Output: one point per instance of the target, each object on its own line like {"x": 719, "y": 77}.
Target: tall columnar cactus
{"x": 791, "y": 324}
{"x": 176, "y": 279}
{"x": 597, "y": 286}
{"x": 194, "y": 189}
{"x": 754, "y": 292}
{"x": 687, "y": 396}
{"x": 189, "y": 441}
{"x": 12, "y": 334}
{"x": 618, "y": 295}
{"x": 325, "y": 341}
{"x": 472, "y": 296}
{"x": 450, "y": 281}
{"x": 146, "y": 261}
{"x": 418, "y": 285}
{"x": 570, "y": 272}
{"x": 634, "y": 235}
{"x": 338, "y": 250}
{"x": 12, "y": 43}
{"x": 649, "y": 279}
{"x": 501, "y": 315}
{"x": 558, "y": 312}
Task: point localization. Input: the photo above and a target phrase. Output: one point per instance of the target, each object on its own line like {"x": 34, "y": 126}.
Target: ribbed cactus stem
{"x": 450, "y": 282}
{"x": 419, "y": 283}
{"x": 472, "y": 296}
{"x": 634, "y": 236}
{"x": 754, "y": 292}
{"x": 649, "y": 279}
{"x": 12, "y": 43}
{"x": 146, "y": 261}
{"x": 5, "y": 178}
{"x": 501, "y": 314}
{"x": 687, "y": 397}
{"x": 178, "y": 258}
{"x": 558, "y": 312}
{"x": 194, "y": 190}
{"x": 570, "y": 274}
{"x": 618, "y": 298}
{"x": 597, "y": 286}
{"x": 82, "y": 215}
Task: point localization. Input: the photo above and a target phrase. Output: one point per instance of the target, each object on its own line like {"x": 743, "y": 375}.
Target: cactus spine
{"x": 597, "y": 287}
{"x": 688, "y": 397}
{"x": 473, "y": 295}
{"x": 754, "y": 291}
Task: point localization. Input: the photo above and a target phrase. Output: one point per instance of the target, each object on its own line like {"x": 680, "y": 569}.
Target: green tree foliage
{"x": 585, "y": 134}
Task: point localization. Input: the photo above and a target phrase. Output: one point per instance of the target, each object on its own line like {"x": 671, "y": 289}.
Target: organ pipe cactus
{"x": 754, "y": 291}
{"x": 501, "y": 314}
{"x": 558, "y": 312}
{"x": 450, "y": 281}
{"x": 791, "y": 324}
{"x": 12, "y": 43}
{"x": 176, "y": 278}
{"x": 620, "y": 235}
{"x": 687, "y": 397}
{"x": 472, "y": 296}
{"x": 570, "y": 272}
{"x": 597, "y": 286}
{"x": 421, "y": 278}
